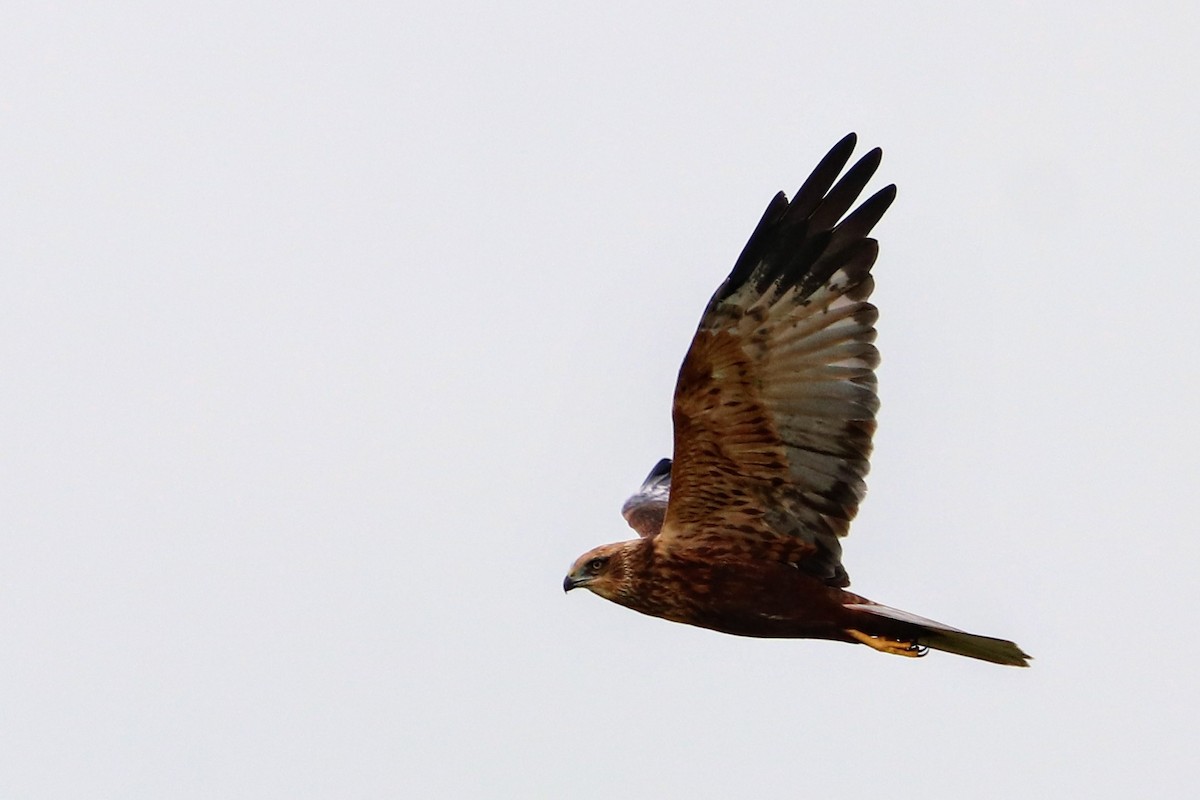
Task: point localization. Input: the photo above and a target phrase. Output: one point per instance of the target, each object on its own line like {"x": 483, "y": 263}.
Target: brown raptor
{"x": 774, "y": 413}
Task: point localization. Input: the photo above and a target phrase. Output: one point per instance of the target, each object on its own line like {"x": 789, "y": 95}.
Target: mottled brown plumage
{"x": 774, "y": 413}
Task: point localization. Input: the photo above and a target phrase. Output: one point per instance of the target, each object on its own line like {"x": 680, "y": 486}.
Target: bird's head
{"x": 604, "y": 570}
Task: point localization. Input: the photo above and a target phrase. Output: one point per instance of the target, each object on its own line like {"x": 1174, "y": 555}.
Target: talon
{"x": 893, "y": 646}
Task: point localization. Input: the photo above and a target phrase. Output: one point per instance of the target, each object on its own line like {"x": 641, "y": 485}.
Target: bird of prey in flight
{"x": 774, "y": 412}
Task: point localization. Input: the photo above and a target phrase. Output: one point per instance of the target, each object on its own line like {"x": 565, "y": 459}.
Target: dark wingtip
{"x": 793, "y": 236}
{"x": 810, "y": 193}
{"x": 663, "y": 467}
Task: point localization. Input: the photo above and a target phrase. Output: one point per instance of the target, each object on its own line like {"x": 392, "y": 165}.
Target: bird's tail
{"x": 908, "y": 634}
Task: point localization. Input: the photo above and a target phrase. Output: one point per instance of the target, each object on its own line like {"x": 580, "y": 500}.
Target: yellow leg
{"x": 896, "y": 648}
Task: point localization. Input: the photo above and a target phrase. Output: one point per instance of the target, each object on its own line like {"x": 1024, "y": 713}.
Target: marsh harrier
{"x": 774, "y": 413}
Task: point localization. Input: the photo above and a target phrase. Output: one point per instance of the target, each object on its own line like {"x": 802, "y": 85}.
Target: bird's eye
{"x": 596, "y": 564}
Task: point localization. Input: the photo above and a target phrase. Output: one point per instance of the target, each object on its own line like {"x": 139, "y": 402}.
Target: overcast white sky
{"x": 331, "y": 334}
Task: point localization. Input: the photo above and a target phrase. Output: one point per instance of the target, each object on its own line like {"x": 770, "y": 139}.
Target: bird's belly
{"x": 763, "y": 600}
{"x": 798, "y": 622}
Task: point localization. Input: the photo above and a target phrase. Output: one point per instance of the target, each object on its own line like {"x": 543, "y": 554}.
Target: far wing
{"x": 645, "y": 510}
{"x": 775, "y": 402}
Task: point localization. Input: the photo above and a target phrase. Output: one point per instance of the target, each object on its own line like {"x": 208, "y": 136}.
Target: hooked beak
{"x": 569, "y": 583}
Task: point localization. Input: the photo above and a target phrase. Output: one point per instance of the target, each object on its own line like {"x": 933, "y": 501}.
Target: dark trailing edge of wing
{"x": 801, "y": 242}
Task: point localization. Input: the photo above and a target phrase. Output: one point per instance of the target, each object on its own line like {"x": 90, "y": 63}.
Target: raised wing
{"x": 645, "y": 510}
{"x": 775, "y": 403}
